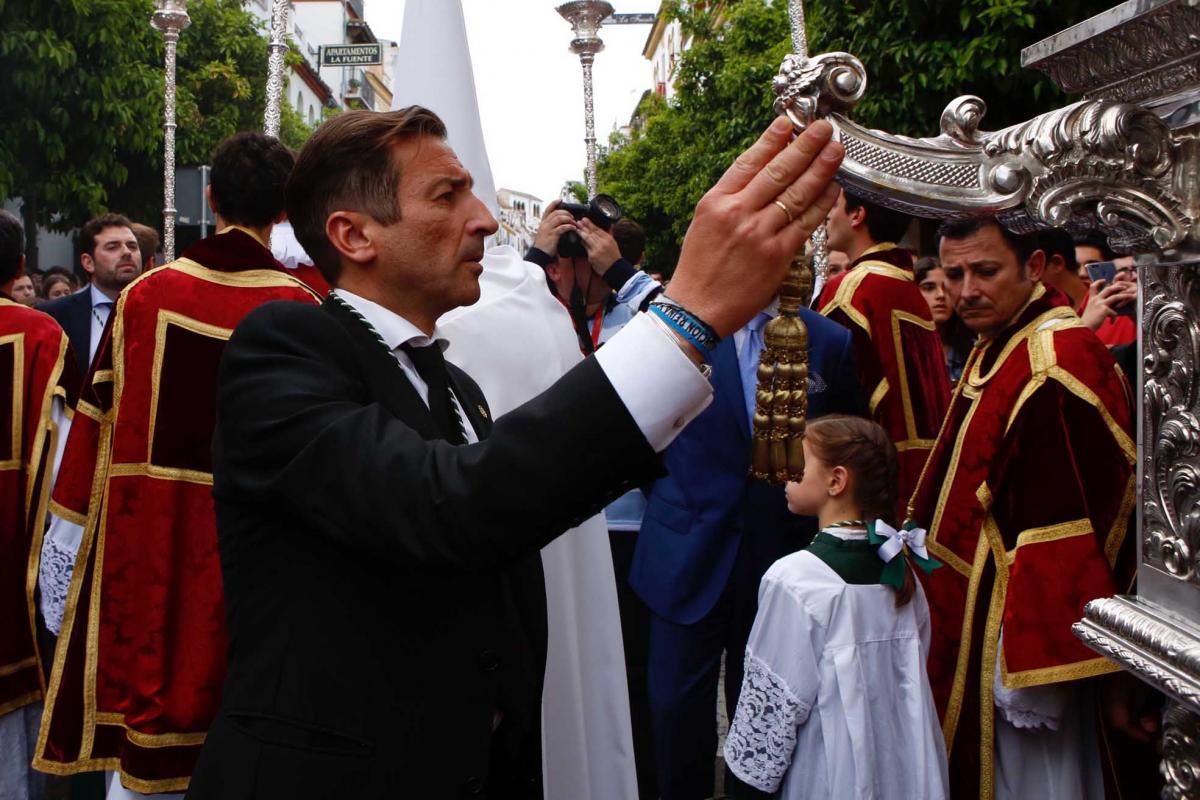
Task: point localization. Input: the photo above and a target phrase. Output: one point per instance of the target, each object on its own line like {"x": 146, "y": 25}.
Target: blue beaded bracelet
{"x": 691, "y": 327}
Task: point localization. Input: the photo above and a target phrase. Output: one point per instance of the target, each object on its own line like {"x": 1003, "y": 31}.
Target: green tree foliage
{"x": 919, "y": 54}
{"x": 78, "y": 99}
{"x": 82, "y": 99}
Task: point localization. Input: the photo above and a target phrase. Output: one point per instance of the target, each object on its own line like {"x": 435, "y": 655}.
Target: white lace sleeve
{"x": 1031, "y": 707}
{"x": 59, "y": 548}
{"x": 762, "y": 735}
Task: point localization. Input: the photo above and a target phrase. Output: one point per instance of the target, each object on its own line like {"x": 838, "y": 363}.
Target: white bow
{"x": 896, "y": 540}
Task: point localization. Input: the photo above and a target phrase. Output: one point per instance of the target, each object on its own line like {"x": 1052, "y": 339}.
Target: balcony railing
{"x": 359, "y": 93}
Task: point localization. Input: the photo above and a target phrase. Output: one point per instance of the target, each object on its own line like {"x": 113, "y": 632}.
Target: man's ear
{"x": 88, "y": 264}
{"x": 347, "y": 232}
{"x": 857, "y": 217}
{"x": 209, "y": 199}
{"x": 1036, "y": 265}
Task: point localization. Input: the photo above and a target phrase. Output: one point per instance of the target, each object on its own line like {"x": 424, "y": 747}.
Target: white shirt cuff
{"x": 661, "y": 387}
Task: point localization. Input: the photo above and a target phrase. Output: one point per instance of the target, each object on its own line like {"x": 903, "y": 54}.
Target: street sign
{"x": 631, "y": 19}
{"x": 351, "y": 55}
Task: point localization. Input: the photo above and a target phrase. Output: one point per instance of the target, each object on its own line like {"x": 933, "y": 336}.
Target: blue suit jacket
{"x": 699, "y": 514}
{"x": 74, "y": 314}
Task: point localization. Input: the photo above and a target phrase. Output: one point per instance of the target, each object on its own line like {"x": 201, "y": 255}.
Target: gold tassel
{"x": 781, "y": 402}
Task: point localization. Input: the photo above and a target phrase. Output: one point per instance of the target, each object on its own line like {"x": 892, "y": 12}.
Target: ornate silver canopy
{"x": 1103, "y": 162}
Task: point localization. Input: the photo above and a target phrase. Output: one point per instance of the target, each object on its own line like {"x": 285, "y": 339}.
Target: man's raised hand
{"x": 750, "y": 225}
{"x": 555, "y": 222}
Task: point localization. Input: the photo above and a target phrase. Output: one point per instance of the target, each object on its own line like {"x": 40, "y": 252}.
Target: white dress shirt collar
{"x": 98, "y": 297}
{"x": 394, "y": 329}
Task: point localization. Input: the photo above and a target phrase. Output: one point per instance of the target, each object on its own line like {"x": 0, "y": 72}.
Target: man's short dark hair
{"x": 347, "y": 165}
{"x": 147, "y": 240}
{"x": 1022, "y": 245}
{"x": 1057, "y": 242}
{"x": 884, "y": 224}
{"x": 95, "y": 226}
{"x": 1098, "y": 241}
{"x": 249, "y": 173}
{"x": 12, "y": 245}
{"x": 631, "y": 240}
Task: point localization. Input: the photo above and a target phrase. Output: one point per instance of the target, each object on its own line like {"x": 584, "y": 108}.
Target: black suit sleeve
{"x": 298, "y": 431}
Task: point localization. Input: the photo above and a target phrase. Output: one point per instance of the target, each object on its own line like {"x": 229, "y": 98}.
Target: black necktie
{"x": 431, "y": 366}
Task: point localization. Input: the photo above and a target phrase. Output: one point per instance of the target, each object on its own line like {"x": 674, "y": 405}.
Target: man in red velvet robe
{"x": 901, "y": 365}
{"x": 37, "y": 387}
{"x": 1032, "y": 472}
{"x": 141, "y": 658}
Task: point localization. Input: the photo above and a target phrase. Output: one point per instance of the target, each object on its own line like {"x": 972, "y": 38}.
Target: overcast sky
{"x": 530, "y": 85}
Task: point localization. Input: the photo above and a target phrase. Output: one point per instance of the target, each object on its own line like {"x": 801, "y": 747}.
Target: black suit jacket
{"x": 383, "y": 587}
{"x": 74, "y": 314}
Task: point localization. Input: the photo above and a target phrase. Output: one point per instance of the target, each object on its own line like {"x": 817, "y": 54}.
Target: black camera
{"x": 603, "y": 211}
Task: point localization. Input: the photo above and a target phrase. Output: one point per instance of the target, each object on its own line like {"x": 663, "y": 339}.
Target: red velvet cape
{"x": 140, "y": 664}
{"x": 33, "y": 352}
{"x": 901, "y": 365}
{"x": 1027, "y": 497}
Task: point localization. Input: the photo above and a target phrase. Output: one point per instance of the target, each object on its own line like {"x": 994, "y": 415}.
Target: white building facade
{"x": 520, "y": 215}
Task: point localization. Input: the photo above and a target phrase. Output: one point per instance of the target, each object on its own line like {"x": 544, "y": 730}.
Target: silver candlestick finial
{"x": 170, "y": 17}
{"x": 585, "y": 17}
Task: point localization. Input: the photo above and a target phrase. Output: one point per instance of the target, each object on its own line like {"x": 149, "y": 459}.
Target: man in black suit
{"x": 110, "y": 255}
{"x": 378, "y": 534}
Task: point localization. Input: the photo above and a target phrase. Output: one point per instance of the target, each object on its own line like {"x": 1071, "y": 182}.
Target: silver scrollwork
{"x": 275, "y": 62}
{"x": 1180, "y": 746}
{"x": 170, "y": 17}
{"x": 1171, "y": 420}
{"x": 1094, "y": 164}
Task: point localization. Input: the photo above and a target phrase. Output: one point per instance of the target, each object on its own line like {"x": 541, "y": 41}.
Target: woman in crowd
{"x": 54, "y": 286}
{"x": 957, "y": 339}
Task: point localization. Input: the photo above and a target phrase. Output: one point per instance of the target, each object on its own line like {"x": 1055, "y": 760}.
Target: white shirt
{"x": 101, "y": 310}
{"x": 660, "y": 386}
{"x": 836, "y": 701}
{"x": 396, "y": 332}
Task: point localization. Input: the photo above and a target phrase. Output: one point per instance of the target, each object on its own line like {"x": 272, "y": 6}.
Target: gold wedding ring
{"x": 784, "y": 209}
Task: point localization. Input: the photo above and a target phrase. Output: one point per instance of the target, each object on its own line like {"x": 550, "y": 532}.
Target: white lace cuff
{"x": 54, "y": 579}
{"x": 762, "y": 736}
{"x": 1031, "y": 707}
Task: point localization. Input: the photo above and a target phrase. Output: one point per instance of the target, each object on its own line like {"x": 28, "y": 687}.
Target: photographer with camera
{"x": 590, "y": 255}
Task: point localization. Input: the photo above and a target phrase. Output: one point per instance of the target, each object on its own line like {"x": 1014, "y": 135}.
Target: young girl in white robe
{"x": 836, "y": 701}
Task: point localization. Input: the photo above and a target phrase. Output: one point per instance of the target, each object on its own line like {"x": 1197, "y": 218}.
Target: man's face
{"x": 433, "y": 252}
{"x": 838, "y": 227}
{"x": 986, "y": 284}
{"x": 116, "y": 260}
{"x": 836, "y": 262}
{"x": 569, "y": 272}
{"x": 22, "y": 291}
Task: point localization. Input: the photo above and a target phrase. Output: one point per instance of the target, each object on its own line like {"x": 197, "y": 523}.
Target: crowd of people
{"x": 344, "y": 537}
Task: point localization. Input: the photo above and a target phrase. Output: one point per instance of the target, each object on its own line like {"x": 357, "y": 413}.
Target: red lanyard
{"x": 596, "y": 327}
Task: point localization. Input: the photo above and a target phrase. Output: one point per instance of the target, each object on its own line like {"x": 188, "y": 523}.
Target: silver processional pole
{"x": 170, "y": 17}
{"x": 820, "y": 254}
{"x": 585, "y": 17}
{"x": 278, "y": 48}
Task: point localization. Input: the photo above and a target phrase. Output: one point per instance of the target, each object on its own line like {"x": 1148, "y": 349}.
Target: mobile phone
{"x": 1102, "y": 271}
{"x": 1107, "y": 271}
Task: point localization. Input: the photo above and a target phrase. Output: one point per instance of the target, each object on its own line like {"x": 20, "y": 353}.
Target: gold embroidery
{"x": 19, "y": 702}
{"x": 1116, "y": 536}
{"x": 166, "y": 473}
{"x": 17, "y": 340}
{"x": 958, "y": 688}
{"x": 254, "y": 278}
{"x": 9, "y": 669}
{"x": 67, "y": 514}
{"x": 1085, "y": 394}
{"x": 166, "y": 318}
{"x": 877, "y": 396}
{"x": 1050, "y": 533}
{"x": 915, "y": 444}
